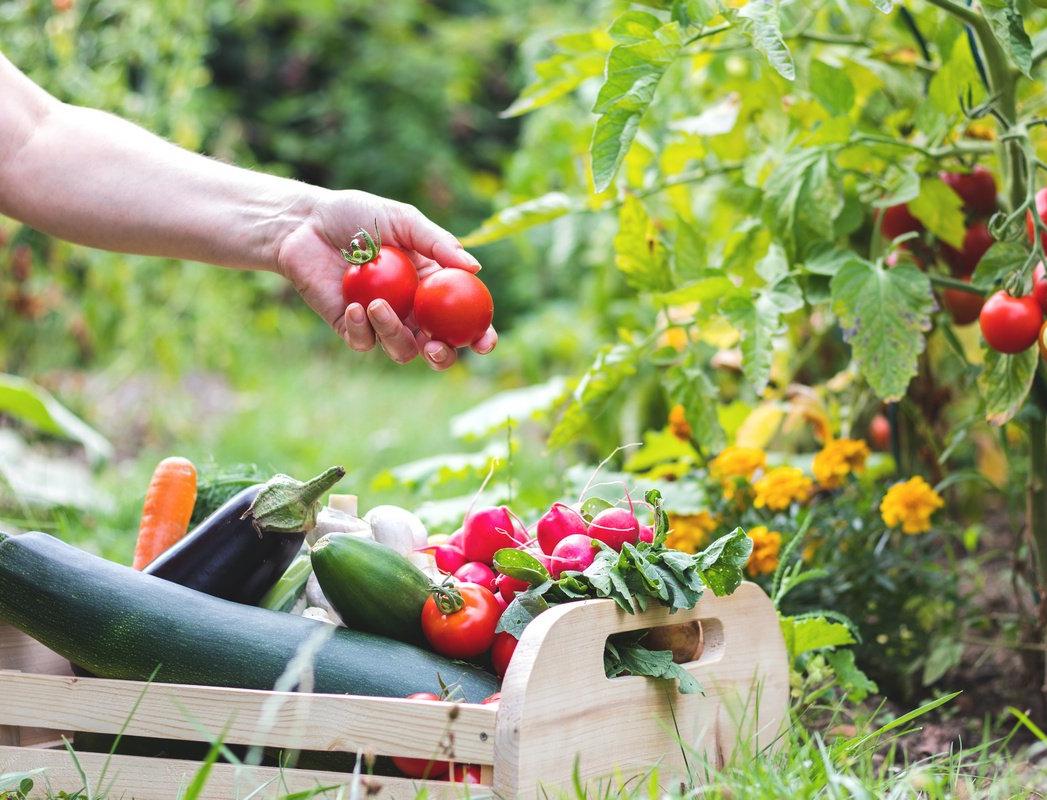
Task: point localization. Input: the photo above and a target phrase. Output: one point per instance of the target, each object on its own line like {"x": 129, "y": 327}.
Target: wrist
{"x": 291, "y": 213}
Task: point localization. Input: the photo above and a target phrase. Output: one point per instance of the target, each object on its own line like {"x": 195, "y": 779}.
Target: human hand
{"x": 310, "y": 258}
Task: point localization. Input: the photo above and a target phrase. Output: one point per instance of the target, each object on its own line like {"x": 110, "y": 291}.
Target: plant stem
{"x": 943, "y": 282}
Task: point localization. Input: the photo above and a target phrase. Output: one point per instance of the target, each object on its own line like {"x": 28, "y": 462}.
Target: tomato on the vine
{"x": 421, "y": 767}
{"x": 976, "y": 242}
{"x": 880, "y": 432}
{"x": 976, "y": 188}
{"x": 502, "y": 652}
{"x": 453, "y": 306}
{"x": 1041, "y": 211}
{"x": 1010, "y": 324}
{"x": 378, "y": 272}
{"x": 459, "y": 621}
{"x": 964, "y": 307}
{"x": 898, "y": 220}
{"x": 1039, "y": 286}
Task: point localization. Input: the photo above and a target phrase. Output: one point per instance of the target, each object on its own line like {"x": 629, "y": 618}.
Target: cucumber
{"x": 371, "y": 586}
{"x": 117, "y": 622}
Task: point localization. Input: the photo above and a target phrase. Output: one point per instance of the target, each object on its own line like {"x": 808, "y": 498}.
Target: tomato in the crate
{"x": 459, "y": 621}
{"x": 453, "y": 306}
{"x": 378, "y": 272}
{"x": 963, "y": 307}
{"x": 976, "y": 188}
{"x": 421, "y": 767}
{"x": 976, "y": 242}
{"x": 1010, "y": 324}
{"x": 502, "y": 652}
{"x": 465, "y": 773}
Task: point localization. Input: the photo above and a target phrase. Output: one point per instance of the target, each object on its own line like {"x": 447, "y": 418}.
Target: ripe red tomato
{"x": 453, "y": 306}
{"x": 421, "y": 767}
{"x": 976, "y": 242}
{"x": 897, "y": 220}
{"x": 1041, "y": 209}
{"x": 459, "y": 621}
{"x": 465, "y": 773}
{"x": 977, "y": 189}
{"x": 880, "y": 432}
{"x": 1039, "y": 286}
{"x": 389, "y": 276}
{"x": 502, "y": 652}
{"x": 1010, "y": 324}
{"x": 964, "y": 307}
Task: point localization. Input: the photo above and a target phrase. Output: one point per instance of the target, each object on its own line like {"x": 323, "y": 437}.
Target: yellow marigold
{"x": 781, "y": 486}
{"x": 737, "y": 462}
{"x": 838, "y": 459}
{"x": 766, "y": 546}
{"x": 689, "y": 532}
{"x": 678, "y": 425}
{"x": 910, "y": 504}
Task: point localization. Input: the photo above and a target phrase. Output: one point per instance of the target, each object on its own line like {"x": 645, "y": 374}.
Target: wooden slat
{"x": 384, "y": 726}
{"x": 138, "y": 778}
{"x": 21, "y": 652}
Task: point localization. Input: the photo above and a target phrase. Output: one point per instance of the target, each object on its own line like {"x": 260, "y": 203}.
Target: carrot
{"x": 168, "y": 506}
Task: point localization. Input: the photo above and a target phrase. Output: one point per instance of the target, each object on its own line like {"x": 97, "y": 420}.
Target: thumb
{"x": 419, "y": 233}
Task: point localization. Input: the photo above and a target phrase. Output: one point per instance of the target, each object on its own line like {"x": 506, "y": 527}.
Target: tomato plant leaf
{"x": 520, "y": 565}
{"x": 801, "y": 200}
{"x": 1007, "y": 26}
{"x": 523, "y": 216}
{"x": 758, "y": 323}
{"x": 611, "y": 368}
{"x": 832, "y": 88}
{"x": 579, "y": 56}
{"x": 712, "y": 287}
{"x": 884, "y": 314}
{"x": 759, "y": 21}
{"x": 804, "y": 634}
{"x": 956, "y": 82}
{"x": 692, "y": 388}
{"x": 721, "y": 563}
{"x": 634, "y": 69}
{"x": 999, "y": 262}
{"x": 940, "y": 209}
{"x": 885, "y": 6}
{"x": 638, "y": 250}
{"x": 1004, "y": 382}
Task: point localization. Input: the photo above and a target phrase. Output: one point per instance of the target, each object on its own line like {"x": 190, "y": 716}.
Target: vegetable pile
{"x": 344, "y": 593}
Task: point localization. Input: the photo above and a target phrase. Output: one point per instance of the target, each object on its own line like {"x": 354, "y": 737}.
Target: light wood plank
{"x": 557, "y": 704}
{"x": 21, "y": 652}
{"x": 384, "y": 726}
{"x": 135, "y": 778}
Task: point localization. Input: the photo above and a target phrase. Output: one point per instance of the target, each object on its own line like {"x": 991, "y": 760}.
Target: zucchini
{"x": 371, "y": 586}
{"x": 117, "y": 622}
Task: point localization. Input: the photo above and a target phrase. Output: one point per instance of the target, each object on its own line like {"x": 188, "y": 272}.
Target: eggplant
{"x": 241, "y": 550}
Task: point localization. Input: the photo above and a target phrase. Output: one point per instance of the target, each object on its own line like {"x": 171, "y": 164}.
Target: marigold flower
{"x": 737, "y": 462}
{"x": 910, "y": 504}
{"x": 689, "y": 532}
{"x": 766, "y": 547}
{"x": 678, "y": 424}
{"x": 781, "y": 486}
{"x": 838, "y": 459}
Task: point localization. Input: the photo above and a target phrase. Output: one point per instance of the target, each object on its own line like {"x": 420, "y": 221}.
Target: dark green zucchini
{"x": 372, "y": 587}
{"x": 119, "y": 623}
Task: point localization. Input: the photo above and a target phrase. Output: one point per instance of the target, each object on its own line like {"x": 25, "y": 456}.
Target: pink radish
{"x": 614, "y": 527}
{"x": 646, "y": 533}
{"x": 574, "y": 552}
{"x": 501, "y": 601}
{"x": 508, "y": 587}
{"x": 455, "y": 539}
{"x": 476, "y": 572}
{"x": 487, "y": 530}
{"x": 556, "y": 523}
{"x": 448, "y": 557}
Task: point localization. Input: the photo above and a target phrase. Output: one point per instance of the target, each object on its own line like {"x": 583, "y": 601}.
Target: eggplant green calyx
{"x": 286, "y": 505}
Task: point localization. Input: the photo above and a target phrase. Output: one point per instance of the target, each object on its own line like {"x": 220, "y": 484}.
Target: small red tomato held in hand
{"x": 976, "y": 188}
{"x": 502, "y": 652}
{"x": 378, "y": 272}
{"x": 964, "y": 307}
{"x": 421, "y": 767}
{"x": 459, "y": 621}
{"x": 1010, "y": 324}
{"x": 897, "y": 221}
{"x": 453, "y": 306}
{"x": 1039, "y": 286}
{"x": 976, "y": 242}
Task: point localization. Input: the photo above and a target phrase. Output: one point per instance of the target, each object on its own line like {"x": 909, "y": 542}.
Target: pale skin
{"x": 95, "y": 179}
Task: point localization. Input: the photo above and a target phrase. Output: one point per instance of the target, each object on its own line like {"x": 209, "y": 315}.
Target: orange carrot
{"x": 168, "y": 506}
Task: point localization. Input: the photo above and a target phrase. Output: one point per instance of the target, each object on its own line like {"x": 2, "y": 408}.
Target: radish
{"x": 614, "y": 527}
{"x": 556, "y": 523}
{"x": 488, "y": 530}
{"x": 476, "y": 572}
{"x": 448, "y": 557}
{"x": 646, "y": 533}
{"x": 455, "y": 539}
{"x": 508, "y": 587}
{"x": 574, "y": 552}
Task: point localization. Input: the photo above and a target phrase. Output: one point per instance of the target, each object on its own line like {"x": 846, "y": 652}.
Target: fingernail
{"x": 471, "y": 259}
{"x": 356, "y": 314}
{"x": 380, "y": 311}
{"x": 435, "y": 353}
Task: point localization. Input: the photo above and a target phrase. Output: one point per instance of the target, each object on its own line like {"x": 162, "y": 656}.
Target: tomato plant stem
{"x": 943, "y": 282}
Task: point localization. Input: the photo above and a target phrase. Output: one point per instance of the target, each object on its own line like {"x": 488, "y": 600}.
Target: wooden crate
{"x": 558, "y": 710}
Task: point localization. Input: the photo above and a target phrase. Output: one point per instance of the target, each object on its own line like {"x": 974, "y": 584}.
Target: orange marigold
{"x": 690, "y": 532}
{"x": 678, "y": 424}
{"x": 780, "y": 487}
{"x": 838, "y": 459}
{"x": 766, "y": 547}
{"x": 910, "y": 504}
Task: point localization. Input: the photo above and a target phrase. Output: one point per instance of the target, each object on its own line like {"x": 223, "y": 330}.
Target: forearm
{"x": 92, "y": 178}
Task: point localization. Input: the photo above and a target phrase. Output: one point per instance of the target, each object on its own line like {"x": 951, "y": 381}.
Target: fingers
{"x": 438, "y": 355}
{"x": 397, "y": 341}
{"x": 359, "y": 334}
{"x": 419, "y": 233}
{"x": 486, "y": 343}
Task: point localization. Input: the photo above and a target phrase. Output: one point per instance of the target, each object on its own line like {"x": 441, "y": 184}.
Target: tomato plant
{"x": 453, "y": 306}
{"x": 963, "y": 307}
{"x": 378, "y": 272}
{"x": 976, "y": 188}
{"x": 459, "y": 621}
